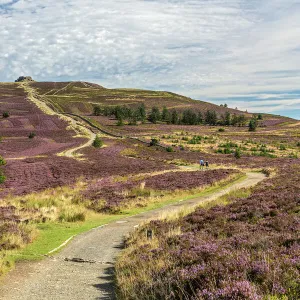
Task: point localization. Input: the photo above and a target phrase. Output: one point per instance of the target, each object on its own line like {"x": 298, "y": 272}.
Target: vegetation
{"x": 252, "y": 125}
{"x": 6, "y": 114}
{"x": 97, "y": 143}
{"x": 31, "y": 135}
{"x": 247, "y": 249}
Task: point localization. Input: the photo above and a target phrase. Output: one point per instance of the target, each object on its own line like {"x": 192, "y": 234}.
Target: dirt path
{"x": 56, "y": 278}
{"x": 79, "y": 128}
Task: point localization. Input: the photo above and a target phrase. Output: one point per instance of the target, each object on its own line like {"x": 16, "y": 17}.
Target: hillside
{"x": 81, "y": 97}
{"x": 55, "y": 183}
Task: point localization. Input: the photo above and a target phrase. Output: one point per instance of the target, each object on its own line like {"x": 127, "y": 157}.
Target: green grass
{"x": 53, "y": 234}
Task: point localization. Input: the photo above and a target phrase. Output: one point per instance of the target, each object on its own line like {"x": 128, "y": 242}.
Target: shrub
{"x": 31, "y": 135}
{"x": 169, "y": 149}
{"x": 252, "y": 125}
{"x": 221, "y": 130}
{"x": 2, "y": 161}
{"x": 154, "y": 142}
{"x": 237, "y": 153}
{"x": 2, "y": 178}
{"x": 6, "y": 114}
{"x": 267, "y": 172}
{"x": 97, "y": 110}
{"x": 97, "y": 142}
{"x": 298, "y": 144}
{"x": 282, "y": 147}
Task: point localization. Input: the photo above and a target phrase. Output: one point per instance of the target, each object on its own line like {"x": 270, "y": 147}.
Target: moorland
{"x": 75, "y": 155}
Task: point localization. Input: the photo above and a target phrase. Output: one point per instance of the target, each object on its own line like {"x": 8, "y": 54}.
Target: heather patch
{"x": 248, "y": 249}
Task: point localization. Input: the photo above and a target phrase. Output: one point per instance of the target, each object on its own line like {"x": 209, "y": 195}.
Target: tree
{"x": 174, "y": 117}
{"x": 259, "y": 117}
{"x": 165, "y": 114}
{"x": 211, "y": 117}
{"x": 227, "y": 118}
{"x": 225, "y": 105}
{"x": 97, "y": 110}
{"x": 133, "y": 118}
{"x": 241, "y": 120}
{"x": 189, "y": 117}
{"x": 234, "y": 120}
{"x": 252, "y": 125}
{"x": 200, "y": 118}
{"x": 154, "y": 116}
{"x": 97, "y": 143}
{"x": 142, "y": 113}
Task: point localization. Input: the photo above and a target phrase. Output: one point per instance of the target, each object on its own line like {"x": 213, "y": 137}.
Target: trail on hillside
{"x": 79, "y": 128}
{"x": 85, "y": 268}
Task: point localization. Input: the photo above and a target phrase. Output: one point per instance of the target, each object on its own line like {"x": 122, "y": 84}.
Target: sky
{"x": 245, "y": 53}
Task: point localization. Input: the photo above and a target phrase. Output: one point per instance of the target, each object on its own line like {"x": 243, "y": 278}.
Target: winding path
{"x": 61, "y": 278}
{"x": 34, "y": 97}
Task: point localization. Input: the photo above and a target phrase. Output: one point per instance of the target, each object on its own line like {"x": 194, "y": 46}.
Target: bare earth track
{"x": 90, "y": 275}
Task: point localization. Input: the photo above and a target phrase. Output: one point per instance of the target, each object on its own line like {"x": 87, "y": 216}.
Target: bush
{"x": 298, "y": 144}
{"x": 237, "y": 153}
{"x": 169, "y": 149}
{"x": 2, "y": 161}
{"x": 221, "y": 130}
{"x": 154, "y": 142}
{"x": 31, "y": 135}
{"x": 2, "y": 178}
{"x": 97, "y": 142}
{"x": 6, "y": 114}
{"x": 97, "y": 110}
{"x": 282, "y": 147}
{"x": 252, "y": 125}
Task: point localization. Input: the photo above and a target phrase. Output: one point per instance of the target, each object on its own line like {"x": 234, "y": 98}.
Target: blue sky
{"x": 242, "y": 52}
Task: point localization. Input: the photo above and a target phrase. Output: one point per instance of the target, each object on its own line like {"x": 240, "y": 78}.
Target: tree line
{"x": 155, "y": 115}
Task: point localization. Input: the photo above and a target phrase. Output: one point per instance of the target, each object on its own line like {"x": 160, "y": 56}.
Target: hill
{"x": 81, "y": 97}
{"x": 54, "y": 184}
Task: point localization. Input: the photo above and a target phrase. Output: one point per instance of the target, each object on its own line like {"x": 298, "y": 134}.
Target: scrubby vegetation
{"x": 248, "y": 249}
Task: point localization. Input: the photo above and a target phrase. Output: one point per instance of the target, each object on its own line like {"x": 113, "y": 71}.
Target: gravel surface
{"x": 84, "y": 269}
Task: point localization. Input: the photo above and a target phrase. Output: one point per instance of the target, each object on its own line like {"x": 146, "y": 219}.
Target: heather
{"x": 248, "y": 249}
{"x": 109, "y": 194}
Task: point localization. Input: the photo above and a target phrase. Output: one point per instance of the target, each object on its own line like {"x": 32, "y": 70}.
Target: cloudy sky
{"x": 242, "y": 52}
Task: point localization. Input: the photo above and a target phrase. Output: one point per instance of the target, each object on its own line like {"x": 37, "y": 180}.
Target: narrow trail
{"x": 91, "y": 275}
{"x": 79, "y": 128}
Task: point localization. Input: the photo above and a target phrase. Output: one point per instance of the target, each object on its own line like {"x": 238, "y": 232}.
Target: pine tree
{"x": 252, "y": 125}
{"x": 174, "y": 117}
{"x": 155, "y": 116}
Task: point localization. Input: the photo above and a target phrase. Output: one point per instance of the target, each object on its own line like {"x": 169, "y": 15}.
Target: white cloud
{"x": 206, "y": 49}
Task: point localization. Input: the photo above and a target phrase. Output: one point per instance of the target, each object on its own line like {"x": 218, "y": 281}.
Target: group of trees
{"x": 186, "y": 117}
{"x": 122, "y": 113}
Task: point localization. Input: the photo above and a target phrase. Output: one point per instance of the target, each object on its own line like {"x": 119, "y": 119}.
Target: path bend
{"x": 56, "y": 278}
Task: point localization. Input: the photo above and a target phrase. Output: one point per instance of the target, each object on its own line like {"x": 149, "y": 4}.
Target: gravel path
{"x": 90, "y": 276}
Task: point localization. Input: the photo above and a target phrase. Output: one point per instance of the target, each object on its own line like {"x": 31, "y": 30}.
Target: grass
{"x": 52, "y": 234}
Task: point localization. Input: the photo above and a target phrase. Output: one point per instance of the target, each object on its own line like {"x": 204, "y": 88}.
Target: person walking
{"x": 201, "y": 164}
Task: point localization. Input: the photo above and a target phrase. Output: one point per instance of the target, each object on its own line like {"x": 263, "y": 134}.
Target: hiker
{"x": 201, "y": 163}
{"x": 206, "y": 164}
